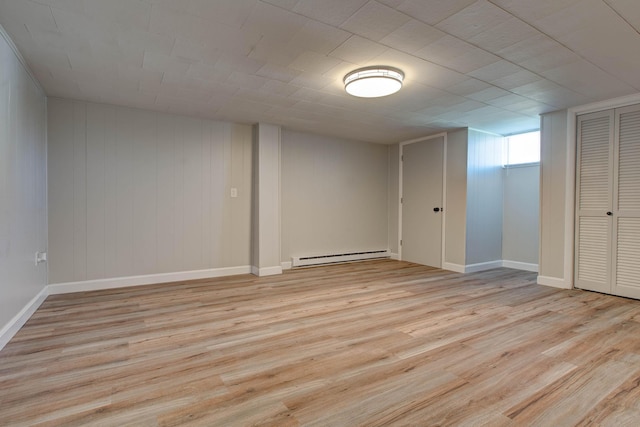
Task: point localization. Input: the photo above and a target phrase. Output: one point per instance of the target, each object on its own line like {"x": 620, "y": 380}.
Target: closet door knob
{"x": 609, "y": 213}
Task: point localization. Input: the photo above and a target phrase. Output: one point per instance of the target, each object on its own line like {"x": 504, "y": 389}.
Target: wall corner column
{"x": 266, "y": 200}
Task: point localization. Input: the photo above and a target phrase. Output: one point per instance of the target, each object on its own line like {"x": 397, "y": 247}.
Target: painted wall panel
{"x": 553, "y": 158}
{"x": 456, "y": 201}
{"x": 23, "y": 151}
{"x": 139, "y": 192}
{"x": 334, "y": 195}
{"x": 484, "y": 198}
{"x": 392, "y": 196}
{"x": 521, "y": 214}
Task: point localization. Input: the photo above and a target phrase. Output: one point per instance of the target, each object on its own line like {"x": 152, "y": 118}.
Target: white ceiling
{"x": 488, "y": 64}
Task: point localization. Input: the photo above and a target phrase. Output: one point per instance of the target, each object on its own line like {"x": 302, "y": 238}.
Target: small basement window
{"x": 522, "y": 149}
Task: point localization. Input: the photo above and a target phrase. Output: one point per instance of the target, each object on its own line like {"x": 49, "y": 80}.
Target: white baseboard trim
{"x": 555, "y": 282}
{"x": 14, "y": 325}
{"x": 453, "y": 267}
{"x": 394, "y": 256}
{"x": 286, "y": 265}
{"x": 482, "y": 266}
{"x": 122, "y": 282}
{"x": 520, "y": 265}
{"x": 266, "y": 271}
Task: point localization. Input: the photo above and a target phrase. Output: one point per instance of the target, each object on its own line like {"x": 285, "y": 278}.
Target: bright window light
{"x": 522, "y": 148}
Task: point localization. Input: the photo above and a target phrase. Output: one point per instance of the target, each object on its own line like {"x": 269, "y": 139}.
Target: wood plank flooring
{"x": 375, "y": 343}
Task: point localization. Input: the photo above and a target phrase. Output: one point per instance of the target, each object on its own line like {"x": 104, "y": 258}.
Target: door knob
{"x": 436, "y": 209}
{"x": 609, "y": 213}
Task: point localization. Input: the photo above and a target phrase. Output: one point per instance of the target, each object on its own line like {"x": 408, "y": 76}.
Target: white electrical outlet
{"x": 41, "y": 257}
{"x": 234, "y": 192}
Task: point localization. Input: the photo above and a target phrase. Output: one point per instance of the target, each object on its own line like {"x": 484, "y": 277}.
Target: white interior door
{"x": 626, "y": 212}
{"x": 594, "y": 201}
{"x": 422, "y": 178}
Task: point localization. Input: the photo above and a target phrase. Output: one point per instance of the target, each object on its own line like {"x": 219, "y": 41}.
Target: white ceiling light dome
{"x": 373, "y": 82}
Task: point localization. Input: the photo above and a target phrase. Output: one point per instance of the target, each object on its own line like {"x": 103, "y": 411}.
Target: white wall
{"x": 266, "y": 201}
{"x": 456, "y": 201}
{"x": 521, "y": 214}
{"x": 23, "y": 197}
{"x": 334, "y": 195}
{"x": 553, "y": 167}
{"x": 135, "y": 192}
{"x": 484, "y": 198}
{"x": 393, "y": 192}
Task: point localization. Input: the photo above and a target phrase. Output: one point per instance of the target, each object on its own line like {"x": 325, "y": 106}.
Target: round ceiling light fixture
{"x": 373, "y": 82}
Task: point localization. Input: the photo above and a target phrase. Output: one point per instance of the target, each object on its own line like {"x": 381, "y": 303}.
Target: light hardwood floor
{"x": 374, "y": 343}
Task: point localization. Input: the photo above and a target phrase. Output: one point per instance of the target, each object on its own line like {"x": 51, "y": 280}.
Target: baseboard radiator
{"x": 304, "y": 261}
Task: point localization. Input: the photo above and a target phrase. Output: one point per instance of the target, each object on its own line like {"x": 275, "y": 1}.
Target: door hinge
{"x": 400, "y": 242}
{"x": 402, "y": 158}
{"x": 401, "y": 200}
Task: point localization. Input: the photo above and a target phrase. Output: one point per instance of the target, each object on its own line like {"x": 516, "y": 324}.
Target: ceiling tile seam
{"x": 607, "y": 2}
{"x": 563, "y": 45}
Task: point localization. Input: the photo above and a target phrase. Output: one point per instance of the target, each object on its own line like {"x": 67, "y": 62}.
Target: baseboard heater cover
{"x": 303, "y": 261}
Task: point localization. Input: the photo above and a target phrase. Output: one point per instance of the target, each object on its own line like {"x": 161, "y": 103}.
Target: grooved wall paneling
{"x": 23, "y": 198}
{"x": 137, "y": 192}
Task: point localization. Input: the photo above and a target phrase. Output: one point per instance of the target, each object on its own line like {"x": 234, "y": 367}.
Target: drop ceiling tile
{"x": 246, "y": 81}
{"x": 285, "y": 4}
{"x": 273, "y": 23}
{"x": 231, "y": 13}
{"x": 419, "y": 70}
{"x": 552, "y": 94}
{"x": 279, "y": 88}
{"x": 29, "y": 13}
{"x": 150, "y": 82}
{"x": 164, "y": 63}
{"x": 332, "y": 12}
{"x": 274, "y": 72}
{"x": 521, "y": 78}
{"x": 318, "y": 37}
{"x": 228, "y": 63}
{"x": 508, "y": 100}
{"x": 584, "y": 77}
{"x": 264, "y": 98}
{"x": 52, "y": 58}
{"x": 412, "y": 36}
{"x": 504, "y": 34}
{"x": 434, "y": 12}
{"x": 133, "y": 14}
{"x": 374, "y": 21}
{"x": 456, "y": 54}
{"x": 534, "y": 10}
{"x": 76, "y": 6}
{"x": 357, "y": 50}
{"x": 538, "y": 53}
{"x": 495, "y": 71}
{"x": 473, "y": 19}
{"x": 191, "y": 51}
{"x": 629, "y": 9}
{"x": 210, "y": 72}
{"x": 314, "y": 62}
{"x": 59, "y": 41}
{"x": 272, "y": 52}
{"x": 488, "y": 94}
{"x": 594, "y": 38}
{"x": 469, "y": 86}
{"x": 314, "y": 81}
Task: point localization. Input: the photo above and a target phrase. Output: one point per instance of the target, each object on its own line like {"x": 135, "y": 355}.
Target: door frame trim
{"x": 444, "y": 191}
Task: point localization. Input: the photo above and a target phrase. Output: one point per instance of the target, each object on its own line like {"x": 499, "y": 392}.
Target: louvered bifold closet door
{"x": 594, "y": 201}
{"x": 626, "y": 214}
